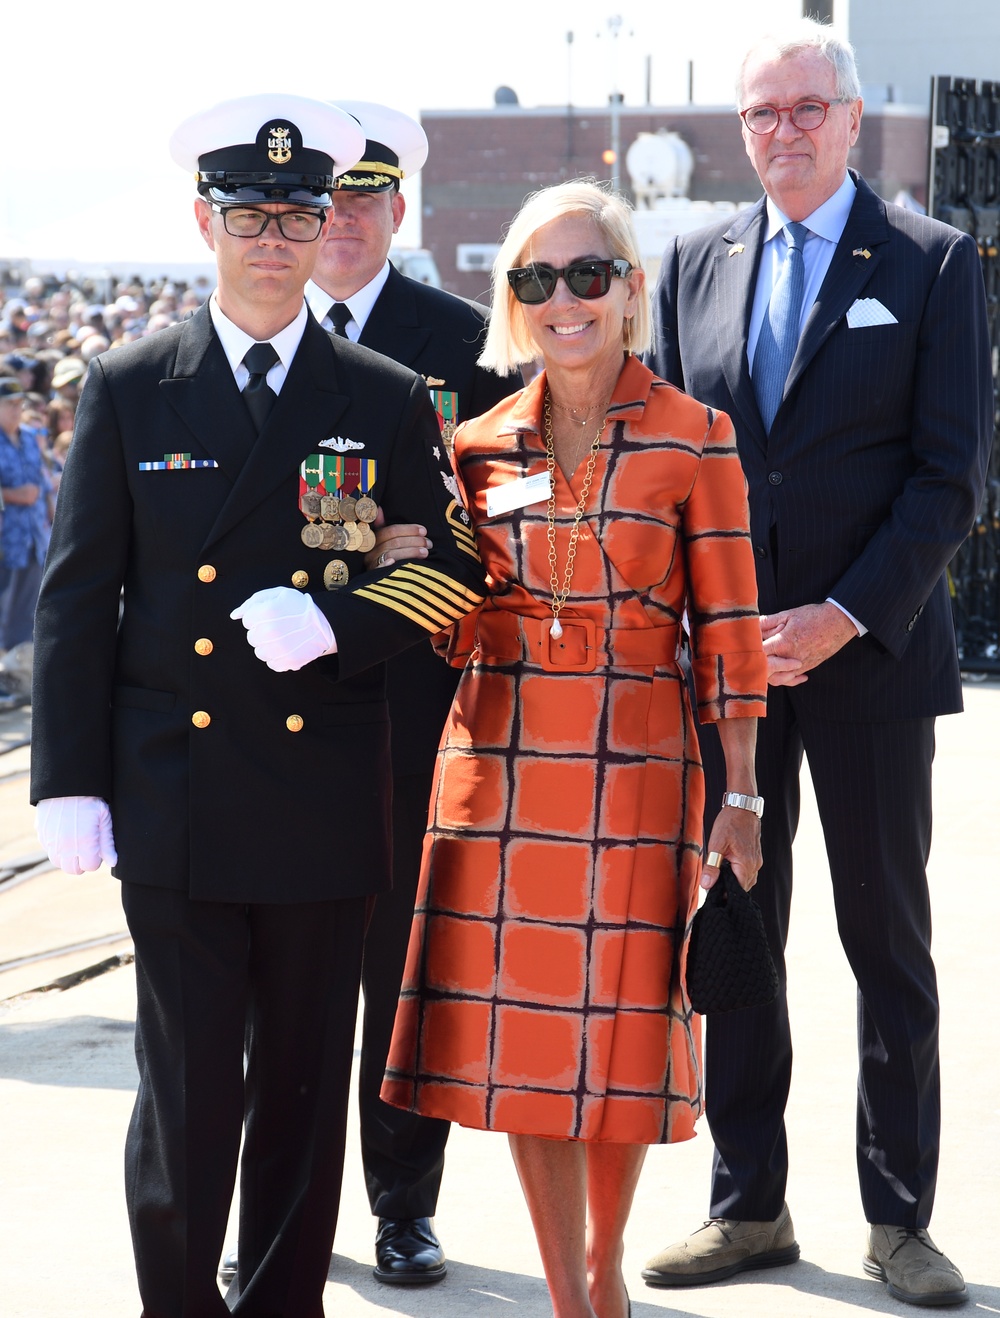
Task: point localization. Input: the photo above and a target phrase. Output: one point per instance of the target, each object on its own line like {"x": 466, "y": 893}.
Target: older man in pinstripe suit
{"x": 848, "y": 341}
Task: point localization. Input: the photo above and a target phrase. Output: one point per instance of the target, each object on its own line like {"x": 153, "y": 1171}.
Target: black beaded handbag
{"x": 729, "y": 964}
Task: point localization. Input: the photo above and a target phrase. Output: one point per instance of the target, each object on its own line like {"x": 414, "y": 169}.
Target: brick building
{"x": 483, "y": 163}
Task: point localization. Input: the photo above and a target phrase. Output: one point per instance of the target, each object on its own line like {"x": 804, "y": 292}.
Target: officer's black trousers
{"x": 210, "y": 975}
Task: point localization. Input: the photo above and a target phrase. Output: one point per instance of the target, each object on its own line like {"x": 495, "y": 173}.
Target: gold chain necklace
{"x": 574, "y": 413}
{"x": 560, "y": 596}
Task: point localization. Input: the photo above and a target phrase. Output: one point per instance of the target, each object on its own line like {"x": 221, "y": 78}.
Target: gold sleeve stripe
{"x": 448, "y": 600}
{"x": 467, "y": 544}
{"x": 449, "y": 590}
{"x": 464, "y": 535}
{"x": 398, "y": 607}
{"x": 432, "y": 600}
{"x": 424, "y": 594}
{"x": 413, "y": 607}
{"x": 428, "y": 603}
{"x": 433, "y": 575}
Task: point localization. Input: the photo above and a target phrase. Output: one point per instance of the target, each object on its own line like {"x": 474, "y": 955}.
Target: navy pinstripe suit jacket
{"x": 873, "y": 471}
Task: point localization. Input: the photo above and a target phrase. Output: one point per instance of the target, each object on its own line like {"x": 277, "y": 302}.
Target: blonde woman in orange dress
{"x": 544, "y": 993}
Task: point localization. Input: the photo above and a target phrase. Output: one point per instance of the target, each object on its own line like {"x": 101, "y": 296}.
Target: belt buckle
{"x": 575, "y": 651}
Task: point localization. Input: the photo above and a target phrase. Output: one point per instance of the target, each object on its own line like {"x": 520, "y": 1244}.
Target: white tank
{"x": 659, "y": 165}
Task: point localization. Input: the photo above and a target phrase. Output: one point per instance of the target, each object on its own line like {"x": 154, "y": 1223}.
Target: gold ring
{"x": 714, "y": 859}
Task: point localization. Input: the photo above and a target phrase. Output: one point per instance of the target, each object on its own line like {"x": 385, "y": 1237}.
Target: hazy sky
{"x": 91, "y": 97}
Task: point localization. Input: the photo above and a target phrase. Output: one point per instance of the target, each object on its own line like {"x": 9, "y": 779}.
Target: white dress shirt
{"x": 236, "y": 343}
{"x": 826, "y": 226}
{"x": 359, "y": 304}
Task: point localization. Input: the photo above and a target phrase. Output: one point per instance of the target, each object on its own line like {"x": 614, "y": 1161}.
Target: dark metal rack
{"x": 964, "y": 191}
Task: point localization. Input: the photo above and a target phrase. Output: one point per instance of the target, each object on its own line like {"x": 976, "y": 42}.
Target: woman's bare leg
{"x": 553, "y": 1176}
{"x": 612, "y": 1175}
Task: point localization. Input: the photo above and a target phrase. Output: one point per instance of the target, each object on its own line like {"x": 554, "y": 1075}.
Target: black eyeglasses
{"x": 584, "y": 279}
{"x": 295, "y": 226}
{"x": 806, "y": 115}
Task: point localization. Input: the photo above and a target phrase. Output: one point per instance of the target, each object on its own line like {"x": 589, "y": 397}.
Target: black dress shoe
{"x": 407, "y": 1252}
{"x": 227, "y": 1268}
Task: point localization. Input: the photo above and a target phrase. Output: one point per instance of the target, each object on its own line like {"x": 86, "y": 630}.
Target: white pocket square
{"x": 869, "y": 311}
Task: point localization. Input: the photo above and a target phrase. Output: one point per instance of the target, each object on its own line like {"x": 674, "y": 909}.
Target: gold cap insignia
{"x": 278, "y": 150}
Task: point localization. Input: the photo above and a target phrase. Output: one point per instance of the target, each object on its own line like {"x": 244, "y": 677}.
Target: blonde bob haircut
{"x": 508, "y": 343}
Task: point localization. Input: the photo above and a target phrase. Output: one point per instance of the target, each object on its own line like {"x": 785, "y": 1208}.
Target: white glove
{"x": 285, "y": 628}
{"x": 76, "y": 833}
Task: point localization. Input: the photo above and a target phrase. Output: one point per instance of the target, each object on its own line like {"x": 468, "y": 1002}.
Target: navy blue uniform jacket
{"x": 283, "y": 795}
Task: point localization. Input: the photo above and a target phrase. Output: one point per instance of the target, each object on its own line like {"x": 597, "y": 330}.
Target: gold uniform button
{"x": 203, "y": 646}
{"x": 300, "y": 580}
{"x": 200, "y": 719}
{"x": 206, "y": 572}
{"x": 295, "y": 723}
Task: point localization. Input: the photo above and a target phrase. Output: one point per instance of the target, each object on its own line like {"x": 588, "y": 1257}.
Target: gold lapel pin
{"x": 862, "y": 251}
{"x": 736, "y": 249}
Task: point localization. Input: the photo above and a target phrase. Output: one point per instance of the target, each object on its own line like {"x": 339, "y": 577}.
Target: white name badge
{"x": 518, "y": 494}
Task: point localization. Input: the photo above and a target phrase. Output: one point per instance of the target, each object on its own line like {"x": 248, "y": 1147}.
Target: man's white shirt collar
{"x": 827, "y": 221}
{"x": 359, "y": 304}
{"x": 825, "y": 228}
{"x": 237, "y": 342}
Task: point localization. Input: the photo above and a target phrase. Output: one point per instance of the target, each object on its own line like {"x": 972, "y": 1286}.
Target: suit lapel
{"x": 306, "y": 411}
{"x": 393, "y": 327}
{"x": 203, "y": 393}
{"x": 735, "y": 278}
{"x": 855, "y": 260}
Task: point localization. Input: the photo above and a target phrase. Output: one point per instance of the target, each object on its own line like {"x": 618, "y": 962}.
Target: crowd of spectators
{"x": 58, "y": 327}
{"x": 50, "y": 332}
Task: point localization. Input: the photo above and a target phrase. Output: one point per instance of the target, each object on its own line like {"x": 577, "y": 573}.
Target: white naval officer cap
{"x": 396, "y": 148}
{"x": 269, "y": 147}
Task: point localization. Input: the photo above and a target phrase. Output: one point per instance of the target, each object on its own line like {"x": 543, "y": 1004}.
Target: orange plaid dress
{"x": 543, "y": 991}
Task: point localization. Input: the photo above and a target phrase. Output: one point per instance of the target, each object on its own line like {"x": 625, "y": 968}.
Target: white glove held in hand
{"x": 285, "y": 628}
{"x": 76, "y": 833}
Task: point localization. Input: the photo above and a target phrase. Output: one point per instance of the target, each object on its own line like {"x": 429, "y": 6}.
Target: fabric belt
{"x": 504, "y": 637}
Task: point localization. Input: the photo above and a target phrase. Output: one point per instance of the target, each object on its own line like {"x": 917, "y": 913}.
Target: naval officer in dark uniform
{"x": 355, "y": 291}
{"x": 225, "y": 746}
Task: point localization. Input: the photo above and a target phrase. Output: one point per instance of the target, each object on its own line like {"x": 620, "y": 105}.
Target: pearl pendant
{"x": 556, "y": 628}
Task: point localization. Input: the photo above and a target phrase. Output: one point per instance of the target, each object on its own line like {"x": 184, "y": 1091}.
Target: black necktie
{"x": 258, "y": 393}
{"x": 340, "y": 314}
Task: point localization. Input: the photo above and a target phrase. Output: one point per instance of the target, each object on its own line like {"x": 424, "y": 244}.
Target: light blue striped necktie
{"x": 779, "y": 331}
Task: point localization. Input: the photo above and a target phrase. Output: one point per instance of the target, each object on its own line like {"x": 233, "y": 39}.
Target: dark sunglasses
{"x": 584, "y": 279}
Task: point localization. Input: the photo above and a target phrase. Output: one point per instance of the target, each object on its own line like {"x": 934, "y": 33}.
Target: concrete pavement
{"x": 67, "y": 1078}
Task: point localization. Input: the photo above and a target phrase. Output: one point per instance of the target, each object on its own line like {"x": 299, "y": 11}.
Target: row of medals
{"x": 340, "y": 523}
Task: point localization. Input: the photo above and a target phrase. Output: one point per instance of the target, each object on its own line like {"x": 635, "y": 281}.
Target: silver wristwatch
{"x": 741, "y": 802}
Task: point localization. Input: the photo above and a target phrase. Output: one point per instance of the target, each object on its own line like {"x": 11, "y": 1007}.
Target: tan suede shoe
{"x": 913, "y": 1267}
{"x": 722, "y": 1248}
